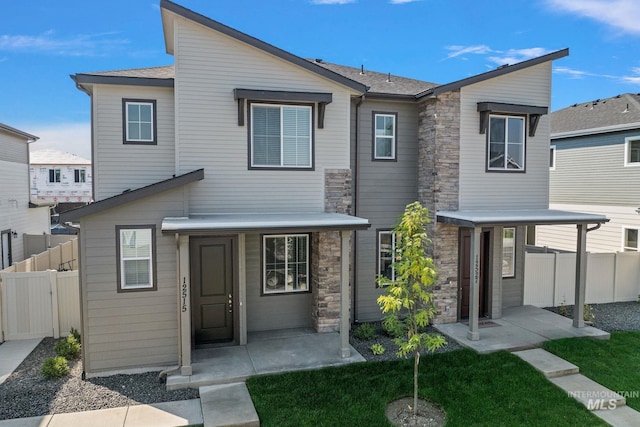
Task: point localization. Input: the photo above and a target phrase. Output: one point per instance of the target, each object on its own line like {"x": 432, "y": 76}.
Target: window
{"x": 136, "y": 253}
{"x": 281, "y": 136}
{"x": 54, "y": 175}
{"x": 632, "y": 151}
{"x": 630, "y": 240}
{"x": 386, "y": 251}
{"x": 139, "y": 121}
{"x": 384, "y": 136}
{"x": 506, "y": 143}
{"x": 286, "y": 263}
{"x": 552, "y": 157}
{"x": 80, "y": 175}
{"x": 508, "y": 251}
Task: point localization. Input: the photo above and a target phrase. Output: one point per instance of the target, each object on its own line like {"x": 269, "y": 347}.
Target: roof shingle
{"x": 619, "y": 110}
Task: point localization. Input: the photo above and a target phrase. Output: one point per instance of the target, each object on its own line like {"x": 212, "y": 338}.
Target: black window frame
{"x": 263, "y": 269}
{"x": 374, "y": 115}
{"x": 507, "y": 116}
{"x": 154, "y": 259}
{"x": 154, "y": 125}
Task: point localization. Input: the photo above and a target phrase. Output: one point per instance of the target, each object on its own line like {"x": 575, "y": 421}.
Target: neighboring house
{"x": 247, "y": 189}
{"x": 595, "y": 168}
{"x": 59, "y": 178}
{"x": 17, "y": 215}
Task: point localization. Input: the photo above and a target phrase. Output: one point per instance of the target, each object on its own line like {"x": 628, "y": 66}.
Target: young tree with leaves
{"x": 408, "y": 301}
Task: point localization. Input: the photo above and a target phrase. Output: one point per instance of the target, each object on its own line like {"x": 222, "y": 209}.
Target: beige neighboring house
{"x": 59, "y": 177}
{"x": 246, "y": 189}
{"x": 18, "y": 216}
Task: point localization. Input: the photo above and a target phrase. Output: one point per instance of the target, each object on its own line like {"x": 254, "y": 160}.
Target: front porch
{"x": 265, "y": 353}
{"x": 519, "y": 328}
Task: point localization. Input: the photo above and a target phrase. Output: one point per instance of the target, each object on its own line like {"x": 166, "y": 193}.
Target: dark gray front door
{"x": 212, "y": 286}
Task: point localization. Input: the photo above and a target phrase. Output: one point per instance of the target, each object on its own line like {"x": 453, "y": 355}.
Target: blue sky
{"x": 42, "y": 42}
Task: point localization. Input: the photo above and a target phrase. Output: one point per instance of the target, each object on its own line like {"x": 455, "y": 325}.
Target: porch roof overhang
{"x": 486, "y": 218}
{"x": 199, "y": 224}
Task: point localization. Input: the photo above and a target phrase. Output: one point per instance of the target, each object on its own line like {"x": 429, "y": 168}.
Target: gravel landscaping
{"x": 615, "y": 316}
{"x": 27, "y": 394}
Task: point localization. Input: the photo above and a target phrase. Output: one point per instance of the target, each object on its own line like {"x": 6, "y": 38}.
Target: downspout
{"x": 356, "y": 176}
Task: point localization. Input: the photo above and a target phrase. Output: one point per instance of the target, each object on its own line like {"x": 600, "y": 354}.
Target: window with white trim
{"x": 281, "y": 136}
{"x": 139, "y": 121}
{"x": 285, "y": 263}
{"x": 506, "y": 143}
{"x": 508, "y": 251}
{"x": 630, "y": 239}
{"x": 386, "y": 253}
{"x": 54, "y": 175}
{"x": 552, "y": 157}
{"x": 136, "y": 251}
{"x": 79, "y": 175}
{"x": 384, "y": 138}
{"x": 632, "y": 151}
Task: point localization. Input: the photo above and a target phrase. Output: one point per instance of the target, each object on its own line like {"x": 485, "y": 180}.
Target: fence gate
{"x": 27, "y": 308}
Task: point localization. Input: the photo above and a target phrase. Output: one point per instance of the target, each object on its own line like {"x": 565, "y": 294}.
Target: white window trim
{"x": 390, "y": 137}
{"x": 623, "y": 247}
{"x": 122, "y": 285}
{"x": 553, "y": 150}
{"x": 627, "y": 142}
{"x": 126, "y": 118}
{"x": 393, "y": 251}
{"x": 512, "y": 273}
{"x": 266, "y": 291}
{"x": 311, "y": 136}
{"x": 506, "y": 143}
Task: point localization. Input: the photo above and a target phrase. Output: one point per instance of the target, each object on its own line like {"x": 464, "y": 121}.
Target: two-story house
{"x": 595, "y": 165}
{"x": 246, "y": 189}
{"x": 18, "y": 216}
{"x": 59, "y": 178}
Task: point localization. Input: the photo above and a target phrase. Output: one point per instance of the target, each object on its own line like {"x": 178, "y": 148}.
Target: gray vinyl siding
{"x": 131, "y": 329}
{"x": 120, "y": 166}
{"x": 505, "y": 190}
{"x": 384, "y": 189}
{"x": 271, "y": 311}
{"x": 13, "y": 149}
{"x": 591, "y": 170}
{"x": 209, "y": 66}
{"x": 513, "y": 287}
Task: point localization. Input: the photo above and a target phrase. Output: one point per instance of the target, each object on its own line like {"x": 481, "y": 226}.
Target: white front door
{"x": 5, "y": 249}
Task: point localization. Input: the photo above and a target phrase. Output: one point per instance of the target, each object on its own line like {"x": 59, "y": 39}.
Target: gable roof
{"x": 166, "y": 5}
{"x": 132, "y": 195}
{"x": 55, "y": 157}
{"x": 620, "y": 112}
{"x": 152, "y": 76}
{"x": 18, "y": 133}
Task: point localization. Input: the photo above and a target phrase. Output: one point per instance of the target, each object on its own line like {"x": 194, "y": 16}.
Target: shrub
{"x": 377, "y": 349}
{"x": 365, "y": 331}
{"x": 54, "y": 368}
{"x": 392, "y": 328}
{"x": 69, "y": 348}
{"x": 76, "y": 335}
{"x": 589, "y": 315}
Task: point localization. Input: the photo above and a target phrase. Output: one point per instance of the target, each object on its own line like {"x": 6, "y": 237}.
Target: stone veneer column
{"x": 325, "y": 254}
{"x": 438, "y": 189}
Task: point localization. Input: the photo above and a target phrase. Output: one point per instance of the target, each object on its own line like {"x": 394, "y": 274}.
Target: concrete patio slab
{"x": 27, "y": 422}
{"x": 180, "y": 413}
{"x": 228, "y": 405}
{"x": 587, "y": 391}
{"x": 549, "y": 364}
{"x": 99, "y": 418}
{"x": 12, "y": 353}
{"x": 620, "y": 417}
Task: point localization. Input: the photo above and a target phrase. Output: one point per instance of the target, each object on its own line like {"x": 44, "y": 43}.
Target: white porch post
{"x": 184, "y": 305}
{"x": 345, "y": 348}
{"x": 474, "y": 291}
{"x": 581, "y": 277}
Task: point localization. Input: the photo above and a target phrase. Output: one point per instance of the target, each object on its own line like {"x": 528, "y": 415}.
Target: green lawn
{"x": 614, "y": 363}
{"x": 497, "y": 389}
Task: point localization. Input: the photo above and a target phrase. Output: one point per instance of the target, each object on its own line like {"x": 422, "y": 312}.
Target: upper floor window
{"x": 79, "y": 175}
{"x": 54, "y": 175}
{"x": 632, "y": 151}
{"x": 285, "y": 263}
{"x": 508, "y": 251}
{"x": 386, "y": 251}
{"x": 139, "y": 121}
{"x": 552, "y": 157}
{"x": 281, "y": 136}
{"x": 136, "y": 252}
{"x": 506, "y": 143}
{"x": 630, "y": 240}
{"x": 384, "y": 136}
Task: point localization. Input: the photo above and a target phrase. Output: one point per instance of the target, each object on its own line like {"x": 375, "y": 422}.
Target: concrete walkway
{"x": 12, "y": 353}
{"x": 606, "y": 404}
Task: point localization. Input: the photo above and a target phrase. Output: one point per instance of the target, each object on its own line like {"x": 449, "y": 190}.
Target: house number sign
{"x": 183, "y": 294}
{"x": 476, "y": 269}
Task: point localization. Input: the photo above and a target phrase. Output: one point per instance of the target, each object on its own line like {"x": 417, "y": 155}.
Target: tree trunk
{"x": 416, "y": 362}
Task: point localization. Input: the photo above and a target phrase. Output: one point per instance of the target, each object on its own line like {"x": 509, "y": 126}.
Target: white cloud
{"x": 403, "y": 1}
{"x": 621, "y": 14}
{"x": 634, "y": 78}
{"x": 463, "y": 50}
{"x": 332, "y": 1}
{"x": 74, "y": 138}
{"x": 76, "y": 45}
{"x": 574, "y": 74}
{"x": 513, "y": 56}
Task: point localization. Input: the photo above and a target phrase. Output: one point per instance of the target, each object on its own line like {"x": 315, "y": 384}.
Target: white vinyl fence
{"x": 549, "y": 279}
{"x": 39, "y": 304}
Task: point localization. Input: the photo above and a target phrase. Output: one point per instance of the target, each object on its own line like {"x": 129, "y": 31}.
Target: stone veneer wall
{"x": 438, "y": 189}
{"x": 325, "y": 254}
